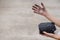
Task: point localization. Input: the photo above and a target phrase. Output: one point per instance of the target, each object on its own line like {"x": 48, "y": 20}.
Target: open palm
{"x": 39, "y": 10}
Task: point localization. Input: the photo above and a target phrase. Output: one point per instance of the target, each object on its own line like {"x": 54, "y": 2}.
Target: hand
{"x": 39, "y": 10}
{"x": 52, "y": 35}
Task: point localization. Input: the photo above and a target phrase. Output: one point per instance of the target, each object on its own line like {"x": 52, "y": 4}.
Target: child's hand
{"x": 39, "y": 10}
{"x": 52, "y": 35}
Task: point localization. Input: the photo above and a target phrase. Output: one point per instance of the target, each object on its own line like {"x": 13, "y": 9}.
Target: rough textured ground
{"x": 18, "y": 22}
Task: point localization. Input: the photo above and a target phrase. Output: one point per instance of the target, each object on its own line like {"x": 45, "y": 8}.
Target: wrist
{"x": 46, "y": 14}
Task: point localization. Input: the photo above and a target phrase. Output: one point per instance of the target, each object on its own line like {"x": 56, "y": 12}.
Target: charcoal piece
{"x": 48, "y": 27}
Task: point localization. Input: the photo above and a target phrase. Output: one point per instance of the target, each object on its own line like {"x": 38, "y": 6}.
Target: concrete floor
{"x": 18, "y": 22}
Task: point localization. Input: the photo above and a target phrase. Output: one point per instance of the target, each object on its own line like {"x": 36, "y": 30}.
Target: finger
{"x": 48, "y": 34}
{"x": 42, "y": 5}
{"x": 34, "y": 7}
{"x": 34, "y": 10}
{"x": 51, "y": 35}
{"x": 37, "y": 6}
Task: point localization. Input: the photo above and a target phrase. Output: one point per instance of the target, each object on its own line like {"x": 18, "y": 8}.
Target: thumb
{"x": 42, "y": 5}
{"x": 48, "y": 34}
{"x": 52, "y": 35}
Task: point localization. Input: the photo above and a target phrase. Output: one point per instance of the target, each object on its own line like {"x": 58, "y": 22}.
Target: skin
{"x": 42, "y": 11}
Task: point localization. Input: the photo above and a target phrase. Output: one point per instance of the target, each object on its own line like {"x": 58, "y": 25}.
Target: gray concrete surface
{"x": 18, "y": 22}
